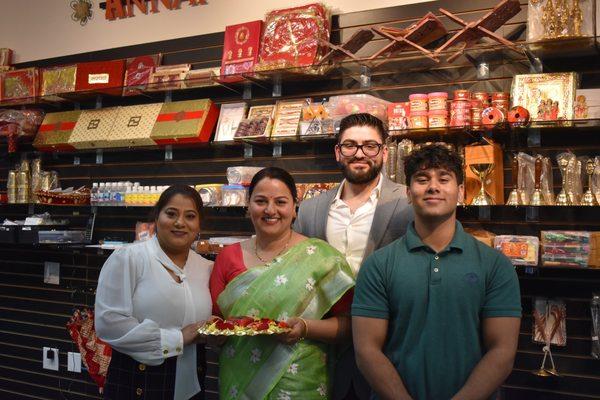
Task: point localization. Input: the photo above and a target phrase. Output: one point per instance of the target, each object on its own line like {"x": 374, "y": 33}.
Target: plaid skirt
{"x": 130, "y": 379}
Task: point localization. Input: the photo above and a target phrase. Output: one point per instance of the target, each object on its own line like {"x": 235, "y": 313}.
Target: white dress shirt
{"x": 348, "y": 232}
{"x": 140, "y": 309}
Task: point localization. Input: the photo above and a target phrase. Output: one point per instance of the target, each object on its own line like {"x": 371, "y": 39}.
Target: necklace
{"x": 276, "y": 255}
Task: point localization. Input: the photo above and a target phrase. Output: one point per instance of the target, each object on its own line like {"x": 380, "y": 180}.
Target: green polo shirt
{"x": 435, "y": 303}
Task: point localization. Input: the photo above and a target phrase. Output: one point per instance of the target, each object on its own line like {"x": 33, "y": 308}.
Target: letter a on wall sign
{"x": 114, "y": 9}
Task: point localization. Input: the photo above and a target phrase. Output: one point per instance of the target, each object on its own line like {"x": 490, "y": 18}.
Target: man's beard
{"x": 361, "y": 177}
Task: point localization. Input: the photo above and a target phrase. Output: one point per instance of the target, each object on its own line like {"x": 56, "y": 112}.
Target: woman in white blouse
{"x": 152, "y": 297}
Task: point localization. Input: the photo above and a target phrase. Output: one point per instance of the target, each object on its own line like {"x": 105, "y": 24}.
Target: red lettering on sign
{"x": 114, "y": 9}
{"x": 140, "y": 4}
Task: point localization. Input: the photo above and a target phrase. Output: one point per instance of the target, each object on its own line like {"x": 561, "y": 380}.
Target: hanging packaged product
{"x": 57, "y": 80}
{"x": 55, "y": 131}
{"x": 293, "y": 37}
{"x": 552, "y": 19}
{"x": 240, "y": 50}
{"x": 19, "y": 86}
{"x": 101, "y": 77}
{"x": 258, "y": 124}
{"x": 521, "y": 250}
{"x": 138, "y": 71}
{"x": 133, "y": 126}
{"x": 93, "y": 128}
{"x": 287, "y": 117}
{"x": 181, "y": 122}
{"x": 230, "y": 117}
{"x": 549, "y": 321}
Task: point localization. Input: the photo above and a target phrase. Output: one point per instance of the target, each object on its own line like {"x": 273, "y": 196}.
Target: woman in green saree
{"x": 283, "y": 275}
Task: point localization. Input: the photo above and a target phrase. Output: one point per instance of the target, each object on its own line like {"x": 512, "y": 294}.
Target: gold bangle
{"x": 305, "y": 328}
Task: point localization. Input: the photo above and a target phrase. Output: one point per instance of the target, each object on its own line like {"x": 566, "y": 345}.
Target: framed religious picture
{"x": 547, "y": 97}
{"x": 587, "y": 104}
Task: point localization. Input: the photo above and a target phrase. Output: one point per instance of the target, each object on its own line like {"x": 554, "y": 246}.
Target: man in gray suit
{"x": 365, "y": 212}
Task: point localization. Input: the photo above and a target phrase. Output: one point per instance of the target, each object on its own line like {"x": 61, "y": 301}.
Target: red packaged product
{"x": 398, "y": 116}
{"x": 518, "y": 116}
{"x": 492, "y": 116}
{"x": 103, "y": 76}
{"x": 138, "y": 72}
{"x": 19, "y": 86}
{"x": 240, "y": 49}
{"x": 292, "y": 36}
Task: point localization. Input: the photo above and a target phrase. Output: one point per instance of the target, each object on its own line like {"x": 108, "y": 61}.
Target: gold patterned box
{"x": 188, "y": 121}
{"x": 94, "y": 128}
{"x": 19, "y": 86}
{"x": 55, "y": 131}
{"x": 133, "y": 126}
{"x": 57, "y": 80}
{"x": 547, "y": 97}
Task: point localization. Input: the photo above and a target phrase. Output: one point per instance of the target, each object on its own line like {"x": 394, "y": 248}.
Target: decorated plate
{"x": 243, "y": 326}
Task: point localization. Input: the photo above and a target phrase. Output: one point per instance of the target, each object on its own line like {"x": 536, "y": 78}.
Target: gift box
{"x": 258, "y": 124}
{"x": 240, "y": 50}
{"x": 103, "y": 76}
{"x": 201, "y": 77}
{"x": 19, "y": 86}
{"x": 133, "y": 126}
{"x": 138, "y": 71}
{"x": 494, "y": 185}
{"x": 521, "y": 250}
{"x": 292, "y": 37}
{"x": 55, "y": 131}
{"x": 189, "y": 121}
{"x": 229, "y": 119}
{"x": 587, "y": 104}
{"x": 398, "y": 116}
{"x": 168, "y": 77}
{"x": 287, "y": 117}
{"x": 57, "y": 80}
{"x": 93, "y": 128}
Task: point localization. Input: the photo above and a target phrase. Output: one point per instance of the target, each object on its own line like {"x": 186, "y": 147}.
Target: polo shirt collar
{"x": 413, "y": 241}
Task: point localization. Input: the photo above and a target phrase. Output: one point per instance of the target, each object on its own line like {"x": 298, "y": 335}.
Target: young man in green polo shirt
{"x": 436, "y": 313}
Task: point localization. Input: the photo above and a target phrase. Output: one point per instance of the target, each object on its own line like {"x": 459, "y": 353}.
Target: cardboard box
{"x": 495, "y": 180}
{"x": 94, "y": 128}
{"x": 102, "y": 77}
{"x": 133, "y": 126}
{"x": 190, "y": 121}
{"x": 55, "y": 131}
{"x": 240, "y": 49}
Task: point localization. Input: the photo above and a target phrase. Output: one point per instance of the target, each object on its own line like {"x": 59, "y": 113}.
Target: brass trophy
{"x": 482, "y": 170}
{"x": 562, "y": 199}
{"x": 516, "y": 196}
{"x": 588, "y": 198}
{"x": 537, "y": 199}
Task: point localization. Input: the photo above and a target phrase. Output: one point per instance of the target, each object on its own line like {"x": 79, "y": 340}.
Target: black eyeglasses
{"x": 368, "y": 149}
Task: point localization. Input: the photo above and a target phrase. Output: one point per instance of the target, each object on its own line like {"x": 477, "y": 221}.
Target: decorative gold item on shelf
{"x": 482, "y": 170}
{"x": 559, "y": 19}
{"x": 588, "y": 198}
{"x": 516, "y": 196}
{"x": 562, "y": 199}
{"x": 537, "y": 199}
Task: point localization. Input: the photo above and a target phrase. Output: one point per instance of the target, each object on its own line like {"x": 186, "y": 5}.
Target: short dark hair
{"x": 433, "y": 156}
{"x": 362, "y": 119}
{"x": 173, "y": 190}
{"x": 274, "y": 173}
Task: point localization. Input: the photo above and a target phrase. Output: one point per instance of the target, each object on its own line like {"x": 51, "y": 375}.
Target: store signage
{"x": 125, "y": 8}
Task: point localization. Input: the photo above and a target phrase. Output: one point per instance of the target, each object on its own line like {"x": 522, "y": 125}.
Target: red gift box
{"x": 292, "y": 36}
{"x": 19, "y": 86}
{"x": 398, "y": 116}
{"x": 138, "y": 72}
{"x": 104, "y": 76}
{"x": 240, "y": 49}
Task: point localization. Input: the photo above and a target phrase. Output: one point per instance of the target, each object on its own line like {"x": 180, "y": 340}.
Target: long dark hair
{"x": 173, "y": 190}
{"x": 274, "y": 173}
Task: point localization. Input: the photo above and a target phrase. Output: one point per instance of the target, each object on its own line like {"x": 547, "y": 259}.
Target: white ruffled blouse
{"x": 140, "y": 309}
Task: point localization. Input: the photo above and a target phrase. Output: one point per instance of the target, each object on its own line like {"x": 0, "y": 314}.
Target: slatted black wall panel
{"x": 34, "y": 314}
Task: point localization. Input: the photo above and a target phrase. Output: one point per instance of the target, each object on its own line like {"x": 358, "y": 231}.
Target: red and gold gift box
{"x": 189, "y": 121}
{"x": 240, "y": 49}
{"x": 133, "y": 126}
{"x": 94, "y": 128}
{"x": 292, "y": 37}
{"x": 103, "y": 76}
{"x": 19, "y": 86}
{"x": 55, "y": 131}
{"x": 57, "y": 80}
{"x": 138, "y": 72}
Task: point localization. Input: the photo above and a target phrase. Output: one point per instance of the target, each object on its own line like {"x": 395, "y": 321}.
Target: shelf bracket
{"x": 247, "y": 150}
{"x": 535, "y": 64}
{"x": 534, "y": 138}
{"x": 99, "y": 156}
{"x": 484, "y": 213}
{"x": 247, "y": 95}
{"x": 365, "y": 77}
{"x": 76, "y": 160}
{"x": 98, "y": 101}
{"x": 30, "y": 209}
{"x": 76, "y": 106}
{"x": 168, "y": 96}
{"x": 277, "y": 86}
{"x": 168, "y": 153}
{"x": 532, "y": 214}
{"x": 277, "y": 148}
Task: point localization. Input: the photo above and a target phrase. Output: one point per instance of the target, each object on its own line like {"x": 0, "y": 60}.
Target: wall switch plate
{"x": 74, "y": 362}
{"x": 50, "y": 358}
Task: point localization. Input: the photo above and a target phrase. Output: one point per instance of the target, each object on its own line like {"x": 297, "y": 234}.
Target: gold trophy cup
{"x": 588, "y": 198}
{"x": 482, "y": 170}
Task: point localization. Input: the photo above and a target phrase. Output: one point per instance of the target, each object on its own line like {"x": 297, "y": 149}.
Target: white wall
{"x": 39, "y": 29}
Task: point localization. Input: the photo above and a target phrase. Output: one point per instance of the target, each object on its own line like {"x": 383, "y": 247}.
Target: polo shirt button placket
{"x": 436, "y": 277}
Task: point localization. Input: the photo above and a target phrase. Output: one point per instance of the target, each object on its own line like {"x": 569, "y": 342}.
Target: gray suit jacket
{"x": 391, "y": 219}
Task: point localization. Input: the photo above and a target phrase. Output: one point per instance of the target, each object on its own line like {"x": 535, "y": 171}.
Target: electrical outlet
{"x": 50, "y": 358}
{"x": 74, "y": 362}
